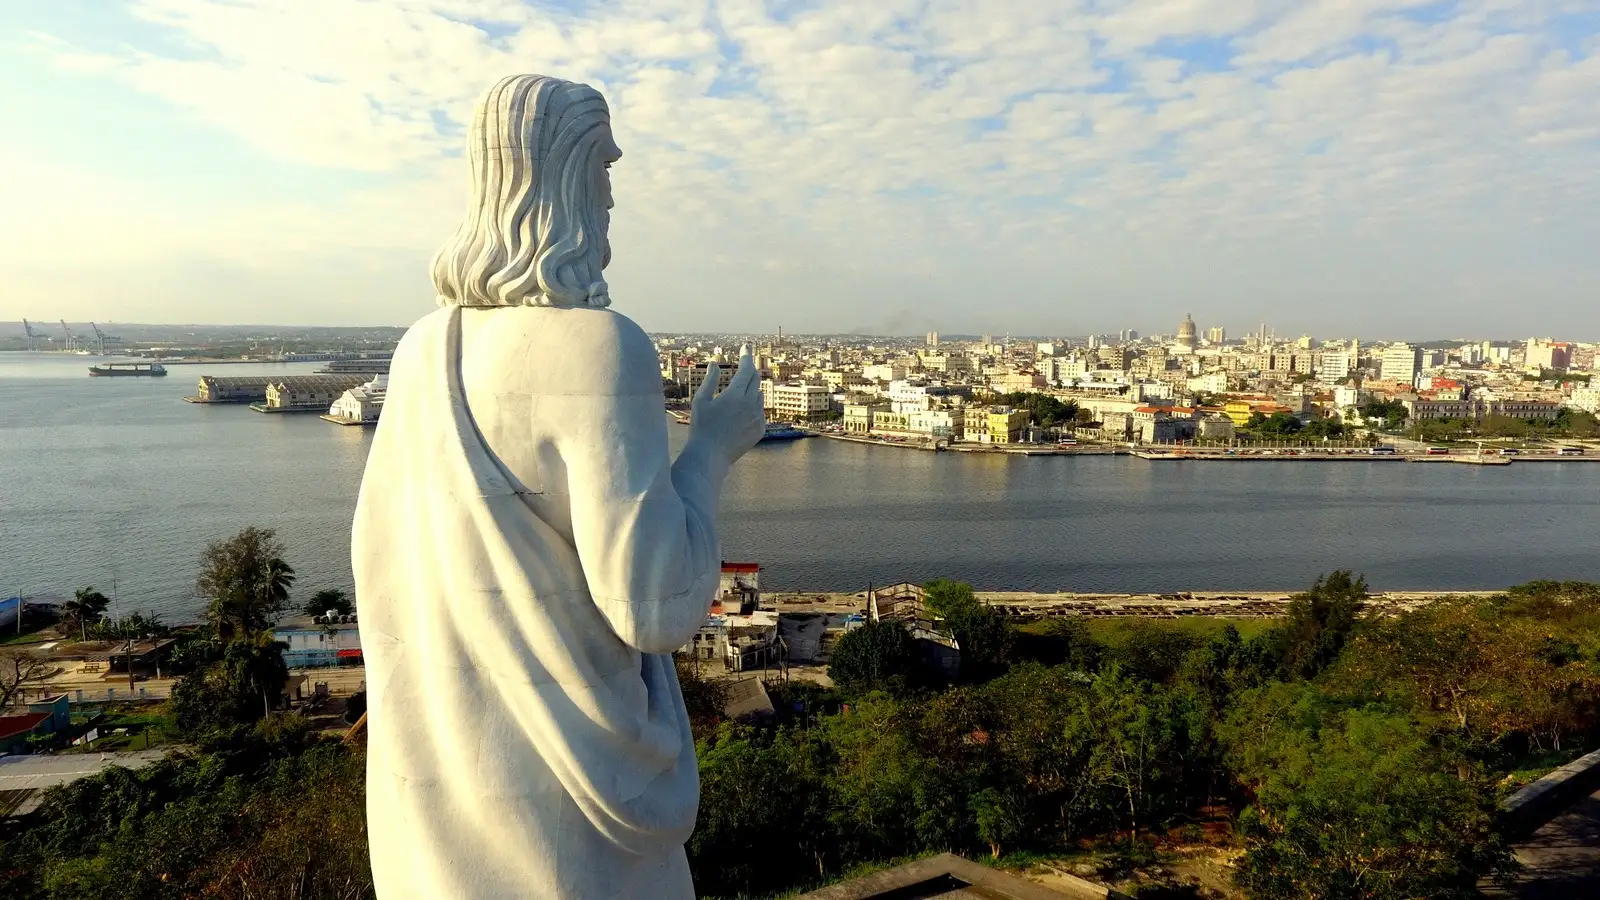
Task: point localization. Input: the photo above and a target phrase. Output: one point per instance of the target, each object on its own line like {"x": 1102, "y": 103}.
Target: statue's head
{"x": 535, "y": 229}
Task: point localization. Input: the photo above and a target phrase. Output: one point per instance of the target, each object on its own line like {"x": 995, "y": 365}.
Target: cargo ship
{"x": 127, "y": 370}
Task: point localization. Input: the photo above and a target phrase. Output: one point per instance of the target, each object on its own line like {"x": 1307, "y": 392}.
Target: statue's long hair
{"x": 535, "y": 229}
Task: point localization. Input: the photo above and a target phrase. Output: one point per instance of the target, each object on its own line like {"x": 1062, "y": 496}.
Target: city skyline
{"x": 1380, "y": 169}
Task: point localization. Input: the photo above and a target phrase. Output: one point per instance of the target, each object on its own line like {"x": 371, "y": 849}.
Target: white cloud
{"x": 933, "y": 149}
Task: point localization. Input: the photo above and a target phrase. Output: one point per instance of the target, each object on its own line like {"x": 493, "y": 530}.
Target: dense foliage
{"x": 1048, "y": 411}
{"x": 1353, "y": 755}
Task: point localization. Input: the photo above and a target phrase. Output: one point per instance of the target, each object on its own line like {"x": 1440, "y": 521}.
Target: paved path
{"x": 23, "y": 779}
{"x": 1562, "y": 859}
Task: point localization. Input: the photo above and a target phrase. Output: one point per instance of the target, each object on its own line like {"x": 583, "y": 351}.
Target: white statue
{"x": 526, "y": 555}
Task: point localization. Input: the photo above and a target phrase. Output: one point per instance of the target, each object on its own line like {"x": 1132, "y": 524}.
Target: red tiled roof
{"x": 11, "y": 726}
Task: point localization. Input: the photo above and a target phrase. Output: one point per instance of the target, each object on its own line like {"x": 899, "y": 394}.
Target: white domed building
{"x": 1186, "y": 341}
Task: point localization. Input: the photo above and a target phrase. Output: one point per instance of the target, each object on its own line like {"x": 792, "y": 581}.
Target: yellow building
{"x": 1005, "y": 425}
{"x": 1238, "y": 412}
{"x": 886, "y": 420}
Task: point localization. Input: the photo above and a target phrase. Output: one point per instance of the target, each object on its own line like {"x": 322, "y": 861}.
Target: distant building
{"x": 1401, "y": 362}
{"x": 1547, "y": 354}
{"x": 858, "y": 417}
{"x": 697, "y": 374}
{"x": 314, "y": 642}
{"x": 800, "y": 402}
{"x": 363, "y": 403}
{"x": 1216, "y": 335}
{"x": 1186, "y": 341}
{"x": 309, "y": 392}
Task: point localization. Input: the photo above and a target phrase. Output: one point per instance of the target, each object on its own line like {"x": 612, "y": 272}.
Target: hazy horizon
{"x": 1383, "y": 168}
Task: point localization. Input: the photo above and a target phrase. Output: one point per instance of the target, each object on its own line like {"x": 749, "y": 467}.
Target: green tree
{"x": 238, "y": 689}
{"x": 1279, "y": 424}
{"x": 245, "y": 582}
{"x": 255, "y": 666}
{"x": 86, "y": 607}
{"x": 788, "y": 816}
{"x": 982, "y": 634}
{"x": 1132, "y": 739}
{"x": 1356, "y": 803}
{"x": 329, "y": 599}
{"x": 1319, "y": 624}
{"x": 876, "y": 656}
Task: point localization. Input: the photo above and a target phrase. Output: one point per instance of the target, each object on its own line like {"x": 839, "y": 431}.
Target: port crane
{"x": 102, "y": 339}
{"x": 72, "y": 339}
{"x": 34, "y": 337}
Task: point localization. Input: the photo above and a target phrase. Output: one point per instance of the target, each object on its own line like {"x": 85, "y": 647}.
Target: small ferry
{"x": 126, "y": 370}
{"x": 783, "y": 431}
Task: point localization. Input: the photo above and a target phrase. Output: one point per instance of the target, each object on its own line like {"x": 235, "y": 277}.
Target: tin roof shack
{"x": 907, "y": 604}
{"x": 747, "y": 701}
{"x": 112, "y": 659}
{"x": 949, "y": 877}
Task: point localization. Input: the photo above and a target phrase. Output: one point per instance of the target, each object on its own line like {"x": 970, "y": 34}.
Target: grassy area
{"x": 31, "y": 634}
{"x": 1525, "y": 771}
{"x": 147, "y": 726}
{"x": 1114, "y": 631}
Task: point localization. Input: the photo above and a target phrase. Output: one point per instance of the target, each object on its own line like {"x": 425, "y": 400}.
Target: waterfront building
{"x": 937, "y": 423}
{"x": 360, "y": 365}
{"x": 361, "y": 404}
{"x": 1400, "y": 362}
{"x": 891, "y": 421}
{"x": 311, "y": 393}
{"x": 232, "y": 388}
{"x": 858, "y": 416}
{"x": 797, "y": 401}
{"x": 1214, "y": 428}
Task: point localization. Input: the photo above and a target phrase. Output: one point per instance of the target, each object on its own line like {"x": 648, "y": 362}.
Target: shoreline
{"x": 1220, "y": 604}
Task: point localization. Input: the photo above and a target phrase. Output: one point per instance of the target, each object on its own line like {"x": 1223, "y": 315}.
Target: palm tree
{"x": 87, "y": 606}
{"x": 275, "y": 584}
{"x": 330, "y": 598}
{"x": 255, "y": 664}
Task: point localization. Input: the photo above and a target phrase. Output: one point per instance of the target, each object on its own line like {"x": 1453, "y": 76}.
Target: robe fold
{"x": 526, "y": 732}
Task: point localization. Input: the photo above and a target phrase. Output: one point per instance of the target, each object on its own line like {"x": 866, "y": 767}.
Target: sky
{"x": 1379, "y": 168}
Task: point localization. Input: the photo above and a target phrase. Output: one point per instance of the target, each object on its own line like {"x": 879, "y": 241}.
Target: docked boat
{"x": 125, "y": 370}
{"x": 783, "y": 431}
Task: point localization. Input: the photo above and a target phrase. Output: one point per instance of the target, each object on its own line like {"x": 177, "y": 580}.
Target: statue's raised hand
{"x": 731, "y": 422}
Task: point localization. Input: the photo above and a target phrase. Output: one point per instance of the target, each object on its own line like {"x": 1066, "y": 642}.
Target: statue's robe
{"x": 527, "y": 734}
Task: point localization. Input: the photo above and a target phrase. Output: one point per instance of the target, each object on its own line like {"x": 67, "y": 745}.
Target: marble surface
{"x": 526, "y": 559}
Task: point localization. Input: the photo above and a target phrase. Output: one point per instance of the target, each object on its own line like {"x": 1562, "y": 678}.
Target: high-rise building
{"x": 1543, "y": 353}
{"x": 1128, "y": 336}
{"x": 933, "y": 339}
{"x": 1400, "y": 362}
{"x": 1216, "y": 335}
